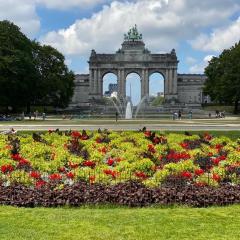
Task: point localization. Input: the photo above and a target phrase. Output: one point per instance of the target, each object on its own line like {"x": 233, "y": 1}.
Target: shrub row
{"x": 133, "y": 194}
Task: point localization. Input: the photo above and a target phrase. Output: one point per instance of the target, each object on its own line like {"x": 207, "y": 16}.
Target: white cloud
{"x": 191, "y": 60}
{"x": 22, "y": 13}
{"x": 66, "y": 4}
{"x": 219, "y": 39}
{"x": 199, "y": 68}
{"x": 164, "y": 23}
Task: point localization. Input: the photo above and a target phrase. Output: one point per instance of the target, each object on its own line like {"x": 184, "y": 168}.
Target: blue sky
{"x": 196, "y": 29}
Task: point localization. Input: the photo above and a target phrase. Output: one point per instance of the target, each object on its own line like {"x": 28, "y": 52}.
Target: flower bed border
{"x": 132, "y": 194}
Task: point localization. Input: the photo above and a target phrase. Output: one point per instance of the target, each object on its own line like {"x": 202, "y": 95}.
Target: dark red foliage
{"x": 191, "y": 144}
{"x": 132, "y": 194}
{"x": 151, "y": 149}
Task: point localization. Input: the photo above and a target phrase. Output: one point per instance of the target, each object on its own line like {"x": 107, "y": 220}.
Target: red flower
{"x": 40, "y": 183}
{"x": 92, "y": 179}
{"x": 186, "y": 174}
{"x": 177, "y": 156}
{"x": 110, "y": 161}
{"x": 55, "y": 177}
{"x": 24, "y": 162}
{"x": 76, "y": 134}
{"x": 184, "y": 145}
{"x": 215, "y": 161}
{"x": 199, "y": 172}
{"x": 141, "y": 175}
{"x": 218, "y": 147}
{"x": 151, "y": 148}
{"x": 103, "y": 150}
{"x": 62, "y": 169}
{"x": 207, "y": 136}
{"x": 147, "y": 134}
{"x": 222, "y": 157}
{"x": 89, "y": 163}
{"x": 216, "y": 177}
{"x": 35, "y": 175}
{"x": 118, "y": 159}
{"x": 7, "y": 168}
{"x": 111, "y": 172}
{"x": 70, "y": 175}
{"x": 73, "y": 165}
{"x": 210, "y": 154}
{"x": 16, "y": 157}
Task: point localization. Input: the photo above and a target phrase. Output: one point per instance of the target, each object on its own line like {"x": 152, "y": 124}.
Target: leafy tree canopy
{"x": 31, "y": 74}
{"x": 223, "y": 77}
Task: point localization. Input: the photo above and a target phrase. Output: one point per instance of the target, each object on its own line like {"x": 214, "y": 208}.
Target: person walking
{"x": 190, "y": 114}
{"x": 44, "y": 116}
{"x": 179, "y": 115}
{"x": 116, "y": 115}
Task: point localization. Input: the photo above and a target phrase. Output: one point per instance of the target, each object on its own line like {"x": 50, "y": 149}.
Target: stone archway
{"x": 133, "y": 57}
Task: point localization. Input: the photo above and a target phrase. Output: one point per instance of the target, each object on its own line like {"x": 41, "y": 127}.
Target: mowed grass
{"x": 106, "y": 223}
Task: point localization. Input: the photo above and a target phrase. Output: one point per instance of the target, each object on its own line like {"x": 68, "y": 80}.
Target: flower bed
{"x": 55, "y": 163}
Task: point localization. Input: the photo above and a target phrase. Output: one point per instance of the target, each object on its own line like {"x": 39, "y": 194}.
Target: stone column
{"x": 119, "y": 82}
{"x": 143, "y": 83}
{"x": 166, "y": 83}
{"x": 91, "y": 81}
{"x": 146, "y": 93}
{"x": 123, "y": 83}
{"x": 95, "y": 81}
{"x": 99, "y": 83}
{"x": 174, "y": 81}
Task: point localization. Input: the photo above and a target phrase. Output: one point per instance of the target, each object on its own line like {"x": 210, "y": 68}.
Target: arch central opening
{"x": 110, "y": 85}
{"x": 133, "y": 88}
{"x": 156, "y": 89}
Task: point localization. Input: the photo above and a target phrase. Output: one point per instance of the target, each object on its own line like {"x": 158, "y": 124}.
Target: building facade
{"x": 134, "y": 57}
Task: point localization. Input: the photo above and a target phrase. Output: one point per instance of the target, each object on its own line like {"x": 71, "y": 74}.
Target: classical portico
{"x": 133, "y": 57}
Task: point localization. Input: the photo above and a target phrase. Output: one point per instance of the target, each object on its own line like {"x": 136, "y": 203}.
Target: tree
{"x": 31, "y": 74}
{"x": 56, "y": 82}
{"x": 17, "y": 70}
{"x": 223, "y": 77}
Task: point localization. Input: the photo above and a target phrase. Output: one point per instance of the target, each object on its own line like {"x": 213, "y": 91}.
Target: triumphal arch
{"x": 133, "y": 57}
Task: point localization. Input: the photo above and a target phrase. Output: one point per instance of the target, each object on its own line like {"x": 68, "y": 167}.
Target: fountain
{"x": 141, "y": 103}
{"x": 128, "y": 114}
{"x": 125, "y": 109}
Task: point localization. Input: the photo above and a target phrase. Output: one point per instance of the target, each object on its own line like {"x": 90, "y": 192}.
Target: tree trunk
{"x": 236, "y": 106}
{"x": 28, "y": 108}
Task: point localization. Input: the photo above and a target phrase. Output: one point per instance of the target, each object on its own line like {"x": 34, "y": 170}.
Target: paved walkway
{"x": 119, "y": 126}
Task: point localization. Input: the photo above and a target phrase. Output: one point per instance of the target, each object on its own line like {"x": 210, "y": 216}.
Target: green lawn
{"x": 212, "y": 121}
{"x": 120, "y": 223}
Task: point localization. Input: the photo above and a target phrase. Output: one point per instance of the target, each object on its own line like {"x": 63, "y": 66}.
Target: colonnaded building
{"x": 134, "y": 57}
